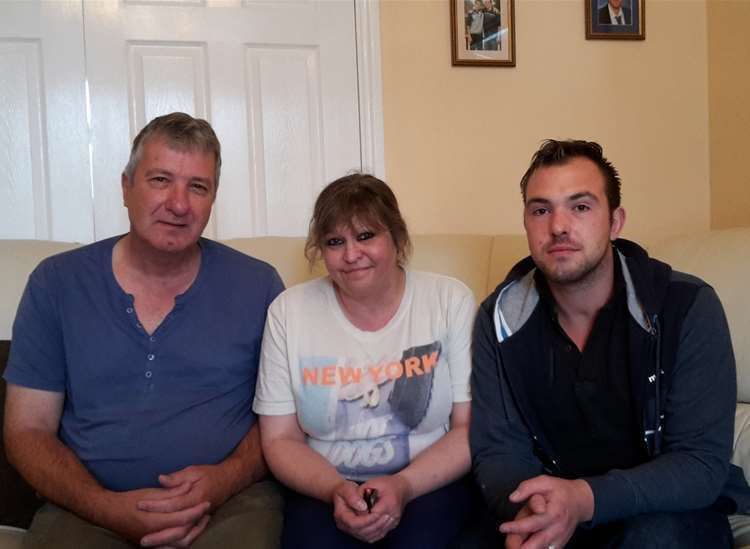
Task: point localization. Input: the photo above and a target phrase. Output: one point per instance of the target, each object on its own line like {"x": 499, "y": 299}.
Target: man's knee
{"x": 701, "y": 528}
{"x": 56, "y": 527}
{"x": 250, "y": 518}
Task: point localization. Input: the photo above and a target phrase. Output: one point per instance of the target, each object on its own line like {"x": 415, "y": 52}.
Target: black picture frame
{"x": 601, "y": 26}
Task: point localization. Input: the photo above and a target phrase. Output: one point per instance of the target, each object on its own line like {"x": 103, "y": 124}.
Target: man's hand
{"x": 193, "y": 486}
{"x": 121, "y": 514}
{"x": 534, "y": 505}
{"x": 554, "y": 508}
{"x": 197, "y": 483}
{"x": 351, "y": 516}
{"x": 166, "y": 536}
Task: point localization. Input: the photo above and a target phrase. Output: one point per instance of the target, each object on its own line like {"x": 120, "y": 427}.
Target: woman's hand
{"x": 351, "y": 514}
{"x": 393, "y": 493}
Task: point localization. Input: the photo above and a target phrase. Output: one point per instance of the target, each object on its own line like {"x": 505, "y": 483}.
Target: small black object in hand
{"x": 371, "y": 498}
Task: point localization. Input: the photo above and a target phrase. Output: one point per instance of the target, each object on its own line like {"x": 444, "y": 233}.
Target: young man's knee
{"x": 701, "y": 528}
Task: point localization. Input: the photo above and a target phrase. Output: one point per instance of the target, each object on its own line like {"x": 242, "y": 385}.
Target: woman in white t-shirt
{"x": 363, "y": 389}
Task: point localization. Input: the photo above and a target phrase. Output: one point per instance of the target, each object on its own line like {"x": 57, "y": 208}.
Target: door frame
{"x": 369, "y": 86}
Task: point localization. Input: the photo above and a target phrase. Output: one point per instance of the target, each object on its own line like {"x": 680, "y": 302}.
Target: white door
{"x": 277, "y": 80}
{"x": 45, "y": 189}
{"x": 291, "y": 87}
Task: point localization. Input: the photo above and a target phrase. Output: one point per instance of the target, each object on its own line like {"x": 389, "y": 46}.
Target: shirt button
{"x": 129, "y": 310}
{"x": 150, "y": 357}
{"x": 138, "y": 325}
{"x": 149, "y": 374}
{"x": 568, "y": 347}
{"x": 152, "y": 338}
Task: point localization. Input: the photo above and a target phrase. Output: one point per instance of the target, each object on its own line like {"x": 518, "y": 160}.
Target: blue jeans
{"x": 434, "y": 521}
{"x": 698, "y": 529}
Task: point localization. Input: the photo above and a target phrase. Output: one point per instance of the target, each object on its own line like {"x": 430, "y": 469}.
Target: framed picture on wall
{"x": 615, "y": 19}
{"x": 483, "y": 33}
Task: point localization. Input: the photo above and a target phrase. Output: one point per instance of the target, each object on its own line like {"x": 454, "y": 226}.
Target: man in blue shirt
{"x": 133, "y": 365}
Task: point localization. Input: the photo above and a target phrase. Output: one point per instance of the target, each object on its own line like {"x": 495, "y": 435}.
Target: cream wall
{"x": 729, "y": 111}
{"x": 458, "y": 139}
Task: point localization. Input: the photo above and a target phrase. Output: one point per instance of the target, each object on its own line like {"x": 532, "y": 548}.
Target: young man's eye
{"x": 365, "y": 235}
{"x": 582, "y": 207}
{"x": 539, "y": 211}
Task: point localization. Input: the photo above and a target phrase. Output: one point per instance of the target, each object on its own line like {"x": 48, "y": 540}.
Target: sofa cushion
{"x": 18, "y": 502}
{"x": 464, "y": 257}
{"x": 285, "y": 253}
{"x": 507, "y": 250}
{"x": 721, "y": 258}
{"x": 19, "y": 259}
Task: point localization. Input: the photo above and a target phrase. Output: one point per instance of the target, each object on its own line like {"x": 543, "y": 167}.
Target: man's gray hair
{"x": 182, "y": 132}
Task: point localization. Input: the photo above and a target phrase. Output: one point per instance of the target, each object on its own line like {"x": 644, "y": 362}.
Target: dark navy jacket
{"x": 682, "y": 381}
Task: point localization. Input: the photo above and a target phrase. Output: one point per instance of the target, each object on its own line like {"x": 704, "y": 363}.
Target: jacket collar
{"x": 645, "y": 283}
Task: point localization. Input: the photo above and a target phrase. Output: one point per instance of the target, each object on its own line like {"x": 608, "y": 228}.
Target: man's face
{"x": 170, "y": 197}
{"x": 616, "y": 4}
{"x": 567, "y": 220}
{"x": 488, "y": 4}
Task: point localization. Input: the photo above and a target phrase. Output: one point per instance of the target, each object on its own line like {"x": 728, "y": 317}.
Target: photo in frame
{"x": 483, "y": 33}
{"x": 615, "y": 19}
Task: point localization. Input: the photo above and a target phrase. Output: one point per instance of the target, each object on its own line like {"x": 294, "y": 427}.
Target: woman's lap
{"x": 433, "y": 520}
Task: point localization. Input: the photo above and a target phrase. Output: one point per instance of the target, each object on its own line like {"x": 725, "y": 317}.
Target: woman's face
{"x": 361, "y": 260}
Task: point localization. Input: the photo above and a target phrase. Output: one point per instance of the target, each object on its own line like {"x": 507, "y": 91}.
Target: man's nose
{"x": 177, "y": 199}
{"x": 559, "y": 222}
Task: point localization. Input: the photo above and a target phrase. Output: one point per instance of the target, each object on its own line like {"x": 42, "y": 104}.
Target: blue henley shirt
{"x": 139, "y": 405}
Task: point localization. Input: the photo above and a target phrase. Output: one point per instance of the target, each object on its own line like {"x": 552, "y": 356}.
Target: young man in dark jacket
{"x": 603, "y": 382}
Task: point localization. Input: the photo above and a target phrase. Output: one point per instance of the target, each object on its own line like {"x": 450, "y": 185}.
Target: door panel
{"x": 277, "y": 80}
{"x": 166, "y": 78}
{"x": 286, "y": 135}
{"x": 45, "y": 184}
{"x": 23, "y": 207}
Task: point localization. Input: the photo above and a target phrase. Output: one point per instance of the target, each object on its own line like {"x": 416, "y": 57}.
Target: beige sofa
{"x": 720, "y": 257}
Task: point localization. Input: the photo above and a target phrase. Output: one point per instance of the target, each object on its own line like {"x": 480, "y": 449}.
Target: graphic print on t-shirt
{"x": 376, "y": 408}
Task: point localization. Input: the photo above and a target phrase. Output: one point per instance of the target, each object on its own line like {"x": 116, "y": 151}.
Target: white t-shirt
{"x": 368, "y": 401}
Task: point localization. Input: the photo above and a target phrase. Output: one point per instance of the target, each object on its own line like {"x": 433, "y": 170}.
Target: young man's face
{"x": 170, "y": 196}
{"x": 616, "y": 4}
{"x": 567, "y": 220}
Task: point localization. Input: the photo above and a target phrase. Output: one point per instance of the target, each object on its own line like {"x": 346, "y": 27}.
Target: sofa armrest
{"x": 741, "y": 448}
{"x": 19, "y": 501}
{"x": 10, "y": 537}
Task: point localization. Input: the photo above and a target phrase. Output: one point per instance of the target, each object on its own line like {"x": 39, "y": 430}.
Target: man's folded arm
{"x": 32, "y": 419}
{"x": 246, "y": 465}
{"x": 699, "y": 424}
{"x": 212, "y": 483}
{"x": 501, "y": 446}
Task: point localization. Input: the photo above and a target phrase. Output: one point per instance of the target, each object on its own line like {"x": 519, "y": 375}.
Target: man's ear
{"x": 125, "y": 183}
{"x": 617, "y": 223}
